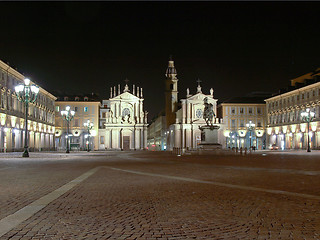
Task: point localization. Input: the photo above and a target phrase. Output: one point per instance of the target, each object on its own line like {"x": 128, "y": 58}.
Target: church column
{"x": 141, "y": 112}
{"x": 188, "y": 112}
{"x": 188, "y": 137}
{"x": 120, "y": 139}
{"x": 183, "y": 142}
{"x": 137, "y": 137}
{"x": 134, "y": 111}
{"x": 177, "y": 136}
{"x": 114, "y": 109}
{"x": 192, "y": 137}
{"x": 119, "y": 111}
{"x": 107, "y": 139}
{"x": 183, "y": 111}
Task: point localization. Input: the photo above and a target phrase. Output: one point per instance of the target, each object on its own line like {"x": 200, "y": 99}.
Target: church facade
{"x": 184, "y": 117}
{"x": 123, "y": 122}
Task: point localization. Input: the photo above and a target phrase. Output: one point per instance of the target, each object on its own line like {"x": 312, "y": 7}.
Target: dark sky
{"x": 234, "y": 47}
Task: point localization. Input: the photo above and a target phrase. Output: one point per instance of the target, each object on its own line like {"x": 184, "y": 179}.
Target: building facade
{"x": 157, "y": 139}
{"x": 286, "y": 128}
{"x": 239, "y": 115}
{"x": 41, "y": 115}
{"x": 123, "y": 122}
{"x": 180, "y": 127}
{"x": 86, "y": 108}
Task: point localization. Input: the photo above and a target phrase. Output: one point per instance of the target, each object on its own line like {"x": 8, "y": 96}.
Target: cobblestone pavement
{"x": 155, "y": 195}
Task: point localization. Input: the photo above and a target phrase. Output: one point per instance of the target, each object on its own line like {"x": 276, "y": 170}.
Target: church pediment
{"x": 199, "y": 97}
{"x": 126, "y": 96}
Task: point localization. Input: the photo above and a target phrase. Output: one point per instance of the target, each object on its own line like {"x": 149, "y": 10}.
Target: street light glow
{"x": 68, "y": 116}
{"x": 27, "y": 94}
{"x": 27, "y": 81}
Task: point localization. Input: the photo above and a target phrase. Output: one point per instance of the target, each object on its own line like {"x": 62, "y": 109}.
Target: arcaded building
{"x": 286, "y": 128}
{"x": 12, "y": 115}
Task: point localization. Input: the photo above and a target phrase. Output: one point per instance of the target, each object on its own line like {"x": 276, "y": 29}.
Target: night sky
{"x": 234, "y": 47}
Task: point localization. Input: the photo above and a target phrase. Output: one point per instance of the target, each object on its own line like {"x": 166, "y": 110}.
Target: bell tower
{"x": 171, "y": 93}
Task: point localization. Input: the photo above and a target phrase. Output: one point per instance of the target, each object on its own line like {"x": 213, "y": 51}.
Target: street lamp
{"x": 308, "y": 116}
{"x": 250, "y": 127}
{"x": 68, "y": 116}
{"x": 28, "y": 94}
{"x": 89, "y": 126}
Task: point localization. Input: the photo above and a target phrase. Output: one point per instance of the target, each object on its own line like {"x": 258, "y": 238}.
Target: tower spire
{"x": 171, "y": 93}
{"x": 171, "y": 71}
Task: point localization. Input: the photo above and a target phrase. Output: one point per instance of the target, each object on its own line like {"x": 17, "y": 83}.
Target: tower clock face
{"x": 199, "y": 113}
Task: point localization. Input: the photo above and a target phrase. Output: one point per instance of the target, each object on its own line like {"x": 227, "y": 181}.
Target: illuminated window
{"x": 85, "y": 109}
{"x": 233, "y": 110}
{"x": 101, "y": 139}
{"x": 241, "y": 110}
{"x": 57, "y": 108}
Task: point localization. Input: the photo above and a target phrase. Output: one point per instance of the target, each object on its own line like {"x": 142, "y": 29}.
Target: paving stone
{"x": 120, "y": 205}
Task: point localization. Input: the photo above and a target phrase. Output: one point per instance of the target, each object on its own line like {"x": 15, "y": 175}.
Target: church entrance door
{"x": 126, "y": 143}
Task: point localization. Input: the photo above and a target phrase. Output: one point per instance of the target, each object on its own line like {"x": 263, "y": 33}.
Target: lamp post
{"x": 28, "y": 94}
{"x": 250, "y": 127}
{"x": 308, "y": 116}
{"x": 89, "y": 126}
{"x": 68, "y": 116}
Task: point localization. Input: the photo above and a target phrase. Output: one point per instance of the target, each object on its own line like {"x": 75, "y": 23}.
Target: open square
{"x": 147, "y": 195}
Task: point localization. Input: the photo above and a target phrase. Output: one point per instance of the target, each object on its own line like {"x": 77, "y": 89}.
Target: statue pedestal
{"x": 209, "y": 137}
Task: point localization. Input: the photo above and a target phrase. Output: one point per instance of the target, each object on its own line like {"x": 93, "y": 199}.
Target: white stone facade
{"x": 123, "y": 122}
{"x": 185, "y": 132}
{"x": 183, "y": 122}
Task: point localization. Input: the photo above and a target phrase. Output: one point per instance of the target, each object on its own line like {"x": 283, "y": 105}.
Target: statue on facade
{"x": 208, "y": 113}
